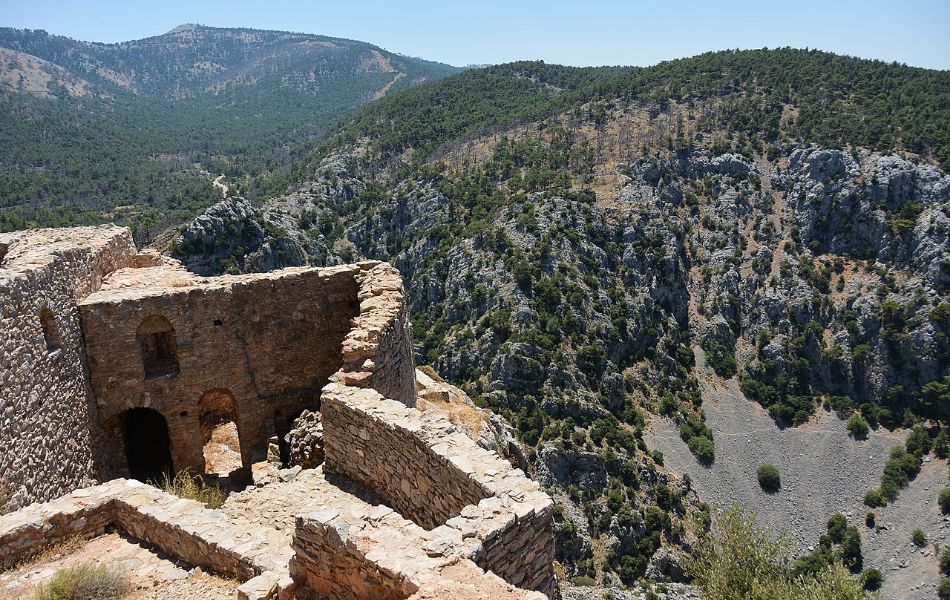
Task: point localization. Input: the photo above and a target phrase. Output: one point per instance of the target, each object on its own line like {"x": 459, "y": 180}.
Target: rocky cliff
{"x": 565, "y": 271}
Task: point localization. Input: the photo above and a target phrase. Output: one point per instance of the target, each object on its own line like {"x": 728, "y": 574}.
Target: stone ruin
{"x": 119, "y": 367}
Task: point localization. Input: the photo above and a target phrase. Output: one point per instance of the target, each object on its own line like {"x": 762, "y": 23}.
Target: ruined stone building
{"x": 117, "y": 366}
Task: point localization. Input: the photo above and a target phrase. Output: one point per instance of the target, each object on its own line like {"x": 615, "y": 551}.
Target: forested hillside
{"x": 122, "y": 132}
{"x": 577, "y": 242}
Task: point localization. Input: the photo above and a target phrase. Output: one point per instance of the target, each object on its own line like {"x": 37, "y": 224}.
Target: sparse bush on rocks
{"x": 858, "y": 426}
{"x": 943, "y": 590}
{"x": 919, "y": 538}
{"x": 837, "y": 525}
{"x": 85, "y": 582}
{"x": 944, "y": 500}
{"x": 873, "y": 499}
{"x": 769, "y": 478}
{"x": 740, "y": 559}
{"x": 872, "y": 579}
{"x": 899, "y": 470}
{"x": 945, "y": 561}
{"x": 851, "y": 554}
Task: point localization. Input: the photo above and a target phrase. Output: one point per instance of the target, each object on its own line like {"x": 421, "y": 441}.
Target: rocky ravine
{"x": 569, "y": 314}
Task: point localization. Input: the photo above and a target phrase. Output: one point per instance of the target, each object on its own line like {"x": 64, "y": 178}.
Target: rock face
{"x": 305, "y": 440}
{"x": 231, "y": 236}
{"x": 808, "y": 273}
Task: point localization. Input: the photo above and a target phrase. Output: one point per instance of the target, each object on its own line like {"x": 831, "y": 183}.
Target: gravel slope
{"x": 823, "y": 471}
{"x": 909, "y": 571}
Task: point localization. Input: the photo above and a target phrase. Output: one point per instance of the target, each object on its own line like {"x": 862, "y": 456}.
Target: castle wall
{"x": 269, "y": 340}
{"x": 375, "y": 442}
{"x": 440, "y": 479}
{"x": 48, "y": 426}
{"x": 153, "y": 339}
{"x": 377, "y": 352}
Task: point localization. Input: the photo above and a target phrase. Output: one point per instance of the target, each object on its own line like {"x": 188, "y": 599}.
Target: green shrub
{"x": 769, "y": 479}
{"x": 703, "y": 448}
{"x": 858, "y": 426}
{"x": 918, "y": 442}
{"x": 193, "y": 487}
{"x": 945, "y": 561}
{"x": 943, "y": 590}
{"x": 872, "y": 579}
{"x": 740, "y": 559}
{"x": 919, "y": 538}
{"x": 873, "y": 499}
{"x": 944, "y": 500}
{"x": 870, "y": 519}
{"x": 721, "y": 357}
{"x": 584, "y": 581}
{"x": 851, "y": 554}
{"x": 837, "y": 525}
{"x": 84, "y": 582}
{"x": 900, "y": 468}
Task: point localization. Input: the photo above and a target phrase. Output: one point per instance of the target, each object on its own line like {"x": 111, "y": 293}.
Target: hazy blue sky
{"x": 916, "y": 32}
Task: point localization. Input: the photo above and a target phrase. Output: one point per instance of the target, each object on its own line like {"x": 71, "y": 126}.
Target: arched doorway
{"x": 147, "y": 445}
{"x": 221, "y": 439}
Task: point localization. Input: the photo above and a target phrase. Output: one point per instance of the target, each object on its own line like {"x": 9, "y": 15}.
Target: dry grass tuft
{"x": 85, "y": 582}
{"x": 193, "y": 487}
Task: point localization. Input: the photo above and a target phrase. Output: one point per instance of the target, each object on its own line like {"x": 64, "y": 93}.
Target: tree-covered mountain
{"x": 579, "y": 244}
{"x": 96, "y": 132}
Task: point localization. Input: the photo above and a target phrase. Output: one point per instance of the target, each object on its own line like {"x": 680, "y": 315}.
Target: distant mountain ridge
{"x": 97, "y": 132}
{"x": 193, "y": 59}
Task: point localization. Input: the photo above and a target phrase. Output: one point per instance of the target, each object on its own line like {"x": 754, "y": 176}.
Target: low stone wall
{"x": 376, "y": 554}
{"x": 387, "y": 447}
{"x": 433, "y": 474}
{"x": 182, "y": 528}
{"x": 28, "y": 531}
{"x": 377, "y": 352}
{"x": 328, "y": 563}
{"x": 49, "y": 432}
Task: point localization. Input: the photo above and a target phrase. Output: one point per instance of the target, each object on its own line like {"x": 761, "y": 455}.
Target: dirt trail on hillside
{"x": 823, "y": 471}
{"x": 218, "y": 182}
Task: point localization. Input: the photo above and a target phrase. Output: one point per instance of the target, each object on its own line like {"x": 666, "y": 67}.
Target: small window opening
{"x": 48, "y": 322}
{"x": 159, "y": 349}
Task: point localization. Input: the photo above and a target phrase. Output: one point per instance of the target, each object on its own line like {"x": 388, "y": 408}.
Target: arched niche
{"x": 158, "y": 347}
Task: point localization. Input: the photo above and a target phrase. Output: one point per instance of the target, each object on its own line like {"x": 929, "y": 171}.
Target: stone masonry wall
{"x": 376, "y": 554}
{"x": 377, "y": 352}
{"x": 363, "y": 442}
{"x": 475, "y": 504}
{"x": 182, "y": 528}
{"x": 269, "y": 340}
{"x": 48, "y": 427}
